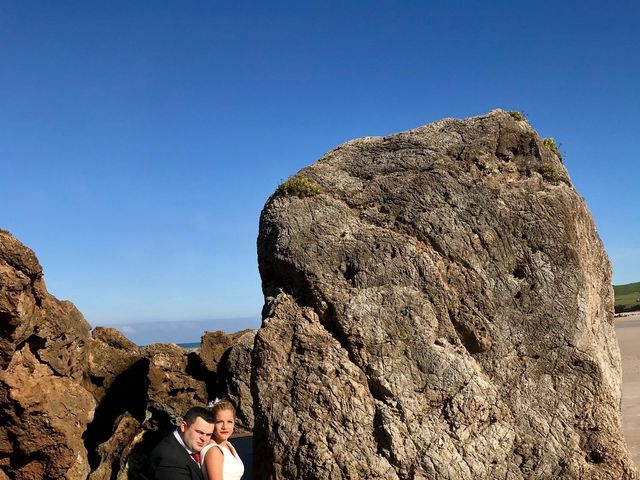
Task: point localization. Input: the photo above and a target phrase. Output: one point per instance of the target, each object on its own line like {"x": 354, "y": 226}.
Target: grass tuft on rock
{"x": 549, "y": 173}
{"x": 551, "y": 144}
{"x": 517, "y": 115}
{"x": 300, "y": 187}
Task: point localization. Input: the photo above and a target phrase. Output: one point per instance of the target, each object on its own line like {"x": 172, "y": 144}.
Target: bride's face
{"x": 223, "y": 427}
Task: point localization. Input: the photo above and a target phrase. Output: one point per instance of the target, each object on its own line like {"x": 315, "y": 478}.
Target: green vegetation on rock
{"x": 517, "y": 115}
{"x": 300, "y": 187}
{"x": 549, "y": 173}
{"x": 627, "y": 297}
{"x": 552, "y": 145}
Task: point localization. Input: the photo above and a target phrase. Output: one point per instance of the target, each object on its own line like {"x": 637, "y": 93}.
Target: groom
{"x": 176, "y": 457}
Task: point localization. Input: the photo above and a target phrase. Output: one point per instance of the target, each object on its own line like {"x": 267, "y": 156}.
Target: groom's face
{"x": 196, "y": 435}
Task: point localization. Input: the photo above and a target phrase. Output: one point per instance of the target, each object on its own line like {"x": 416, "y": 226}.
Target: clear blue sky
{"x": 140, "y": 140}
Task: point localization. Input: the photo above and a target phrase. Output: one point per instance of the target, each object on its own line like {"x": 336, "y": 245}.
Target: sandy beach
{"x": 628, "y": 332}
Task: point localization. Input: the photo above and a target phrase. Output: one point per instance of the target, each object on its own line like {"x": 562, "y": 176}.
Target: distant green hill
{"x": 627, "y": 297}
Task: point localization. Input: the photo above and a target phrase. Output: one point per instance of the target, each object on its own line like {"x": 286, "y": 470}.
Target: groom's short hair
{"x": 194, "y": 412}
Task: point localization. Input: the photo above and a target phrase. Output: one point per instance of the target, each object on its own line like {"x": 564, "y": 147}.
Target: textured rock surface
{"x": 110, "y": 355}
{"x": 442, "y": 309}
{"x": 171, "y": 389}
{"x": 213, "y": 345}
{"x": 75, "y": 404}
{"x": 115, "y": 452}
{"x": 235, "y": 369}
{"x": 43, "y": 407}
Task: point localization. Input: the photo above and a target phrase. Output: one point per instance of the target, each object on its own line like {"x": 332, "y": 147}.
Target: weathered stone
{"x": 171, "y": 389}
{"x": 21, "y": 292}
{"x": 235, "y": 370}
{"x": 134, "y": 455}
{"x": 74, "y": 405}
{"x": 110, "y": 355}
{"x": 337, "y": 438}
{"x": 441, "y": 309}
{"x": 113, "y": 452}
{"x": 118, "y": 380}
{"x": 44, "y": 409}
{"x": 212, "y": 347}
{"x": 44, "y": 416}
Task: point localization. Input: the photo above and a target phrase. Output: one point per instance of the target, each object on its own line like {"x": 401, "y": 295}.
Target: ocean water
{"x": 189, "y": 345}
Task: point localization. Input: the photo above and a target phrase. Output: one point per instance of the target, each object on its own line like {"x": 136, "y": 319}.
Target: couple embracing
{"x": 199, "y": 449}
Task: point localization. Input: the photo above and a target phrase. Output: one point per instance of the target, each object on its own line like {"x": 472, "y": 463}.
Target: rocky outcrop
{"x": 110, "y": 354}
{"x": 76, "y": 404}
{"x": 43, "y": 407}
{"x": 171, "y": 388}
{"x": 115, "y": 453}
{"x": 214, "y": 345}
{"x": 439, "y": 305}
{"x": 235, "y": 369}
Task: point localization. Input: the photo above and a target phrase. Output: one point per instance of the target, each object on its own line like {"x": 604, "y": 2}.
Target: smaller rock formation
{"x": 171, "y": 389}
{"x": 115, "y": 454}
{"x": 235, "y": 369}
{"x": 213, "y": 345}
{"x": 44, "y": 409}
{"x": 76, "y": 404}
{"x": 110, "y": 355}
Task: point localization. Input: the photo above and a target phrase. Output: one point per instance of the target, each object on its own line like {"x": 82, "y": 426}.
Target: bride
{"x": 219, "y": 459}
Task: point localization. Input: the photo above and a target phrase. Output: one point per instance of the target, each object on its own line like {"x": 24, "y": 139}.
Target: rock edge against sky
{"x": 439, "y": 305}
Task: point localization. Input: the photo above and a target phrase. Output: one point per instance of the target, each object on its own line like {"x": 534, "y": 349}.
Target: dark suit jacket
{"x": 170, "y": 461}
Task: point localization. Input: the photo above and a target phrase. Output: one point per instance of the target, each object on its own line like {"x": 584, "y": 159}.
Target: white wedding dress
{"x": 232, "y": 466}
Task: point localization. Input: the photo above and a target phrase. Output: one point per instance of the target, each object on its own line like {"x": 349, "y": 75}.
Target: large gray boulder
{"x": 439, "y": 305}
